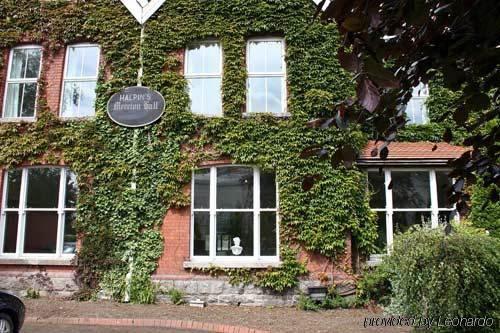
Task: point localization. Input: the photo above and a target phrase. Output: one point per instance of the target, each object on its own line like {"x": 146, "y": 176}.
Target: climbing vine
{"x": 117, "y": 221}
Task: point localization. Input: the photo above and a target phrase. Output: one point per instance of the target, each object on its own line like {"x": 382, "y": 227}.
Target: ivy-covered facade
{"x": 210, "y": 198}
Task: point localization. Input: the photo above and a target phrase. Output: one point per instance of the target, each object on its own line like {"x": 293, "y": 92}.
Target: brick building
{"x": 228, "y": 200}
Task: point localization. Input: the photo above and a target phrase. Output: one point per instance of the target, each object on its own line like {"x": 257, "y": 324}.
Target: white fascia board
{"x": 142, "y": 10}
{"x": 327, "y": 2}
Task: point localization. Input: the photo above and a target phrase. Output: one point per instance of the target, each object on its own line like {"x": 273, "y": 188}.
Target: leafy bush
{"x": 485, "y": 212}
{"x": 176, "y": 296}
{"x": 305, "y": 303}
{"x": 32, "y": 293}
{"x": 438, "y": 275}
{"x": 374, "y": 285}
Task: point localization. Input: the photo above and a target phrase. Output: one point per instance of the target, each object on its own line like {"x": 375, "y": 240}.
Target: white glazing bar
{"x": 213, "y": 214}
{"x": 388, "y": 216}
{"x": 256, "y": 212}
{"x": 434, "y": 199}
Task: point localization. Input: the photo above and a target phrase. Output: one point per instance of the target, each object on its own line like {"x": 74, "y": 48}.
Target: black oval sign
{"x": 136, "y": 107}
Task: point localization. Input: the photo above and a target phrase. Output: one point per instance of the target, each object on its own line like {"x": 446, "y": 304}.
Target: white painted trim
{"x": 142, "y": 12}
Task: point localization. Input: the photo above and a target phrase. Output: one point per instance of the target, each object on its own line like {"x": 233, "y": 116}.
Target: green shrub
{"x": 374, "y": 285}
{"x": 438, "y": 275}
{"x": 305, "y": 303}
{"x": 485, "y": 212}
{"x": 32, "y": 293}
{"x": 176, "y": 296}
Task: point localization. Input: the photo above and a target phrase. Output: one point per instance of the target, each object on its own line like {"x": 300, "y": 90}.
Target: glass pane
{"x": 71, "y": 190}
{"x": 376, "y": 187}
{"x": 43, "y": 187}
{"x": 195, "y": 59}
{"x": 14, "y": 98}
{"x": 18, "y": 65}
{"x": 69, "y": 245}
{"x": 201, "y": 246}
{"x": 444, "y": 188}
{"x": 268, "y": 234}
{"x": 274, "y": 57}
{"x": 75, "y": 62}
{"x": 71, "y": 98}
{"x": 257, "y": 94}
{"x": 10, "y": 236}
{"x": 41, "y": 232}
{"x": 211, "y": 58}
{"x": 411, "y": 189}
{"x": 257, "y": 57}
{"x": 33, "y": 66}
{"x": 13, "y": 188}
{"x": 274, "y": 94}
{"x": 87, "y": 99}
{"x": 201, "y": 189}
{"x": 446, "y": 216}
{"x": 212, "y": 100}
{"x": 90, "y": 61}
{"x": 402, "y": 221}
{"x": 28, "y": 109}
{"x": 267, "y": 189}
{"x": 381, "y": 242}
{"x": 234, "y": 187}
{"x": 196, "y": 95}
{"x": 230, "y": 227}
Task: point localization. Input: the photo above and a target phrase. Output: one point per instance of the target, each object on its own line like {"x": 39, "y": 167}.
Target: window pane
{"x": 381, "y": 242}
{"x": 212, "y": 100}
{"x": 41, "y": 232}
{"x": 33, "y": 65}
{"x": 18, "y": 66}
{"x": 71, "y": 190}
{"x": 87, "y": 99}
{"x": 274, "y": 57}
{"x": 268, "y": 234}
{"x": 376, "y": 187}
{"x": 10, "y": 238}
{"x": 267, "y": 189}
{"x": 90, "y": 59}
{"x": 257, "y": 94}
{"x": 195, "y": 59}
{"x": 196, "y": 95}
{"x": 411, "y": 189}
{"x": 14, "y": 100}
{"x": 13, "y": 188}
{"x": 43, "y": 187}
{"x": 444, "y": 184}
{"x": 446, "y": 216}
{"x": 231, "y": 225}
{"x": 69, "y": 245}
{"x": 204, "y": 59}
{"x": 202, "y": 188}
{"x": 75, "y": 62}
{"x": 402, "y": 221}
{"x": 274, "y": 94}
{"x": 28, "y": 108}
{"x": 71, "y": 98}
{"x": 234, "y": 187}
{"x": 257, "y": 57}
{"x": 201, "y": 237}
{"x": 211, "y": 60}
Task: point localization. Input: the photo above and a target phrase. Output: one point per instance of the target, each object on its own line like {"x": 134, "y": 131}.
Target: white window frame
{"x": 423, "y": 95}
{"x": 389, "y": 209}
{"x": 20, "y": 81}
{"x": 67, "y": 79}
{"x": 234, "y": 261}
{"x": 218, "y": 75}
{"x": 282, "y": 75}
{"x": 22, "y": 210}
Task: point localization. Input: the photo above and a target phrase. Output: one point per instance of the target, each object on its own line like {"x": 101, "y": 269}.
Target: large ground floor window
{"x": 38, "y": 213}
{"x": 234, "y": 215}
{"x": 406, "y": 197}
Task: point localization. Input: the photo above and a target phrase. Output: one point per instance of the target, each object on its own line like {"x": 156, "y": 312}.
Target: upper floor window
{"x": 22, "y": 82}
{"x": 403, "y": 198}
{"x": 203, "y": 71}
{"x": 38, "y": 212}
{"x": 416, "y": 110}
{"x": 266, "y": 86}
{"x": 234, "y": 215}
{"x": 80, "y": 80}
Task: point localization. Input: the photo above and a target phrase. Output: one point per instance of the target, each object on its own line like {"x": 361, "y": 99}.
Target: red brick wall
{"x": 53, "y": 69}
{"x": 4, "y": 53}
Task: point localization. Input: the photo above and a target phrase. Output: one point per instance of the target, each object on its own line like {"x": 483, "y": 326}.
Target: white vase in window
{"x": 236, "y": 248}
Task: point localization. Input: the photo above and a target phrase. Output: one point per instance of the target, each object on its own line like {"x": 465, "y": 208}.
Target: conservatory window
{"x": 203, "y": 72}
{"x": 234, "y": 215}
{"x": 403, "y": 198}
{"x": 38, "y": 213}
{"x": 80, "y": 80}
{"x": 266, "y": 87}
{"x": 22, "y": 82}
{"x": 416, "y": 110}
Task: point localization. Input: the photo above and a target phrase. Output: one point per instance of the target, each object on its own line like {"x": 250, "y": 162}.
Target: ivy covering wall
{"x": 116, "y": 221}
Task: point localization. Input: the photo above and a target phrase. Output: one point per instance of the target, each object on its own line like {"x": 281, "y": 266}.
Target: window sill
{"x": 37, "y": 262}
{"x": 18, "y": 120}
{"x": 284, "y": 115}
{"x": 375, "y": 259}
{"x": 194, "y": 264}
{"x": 76, "y": 118}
